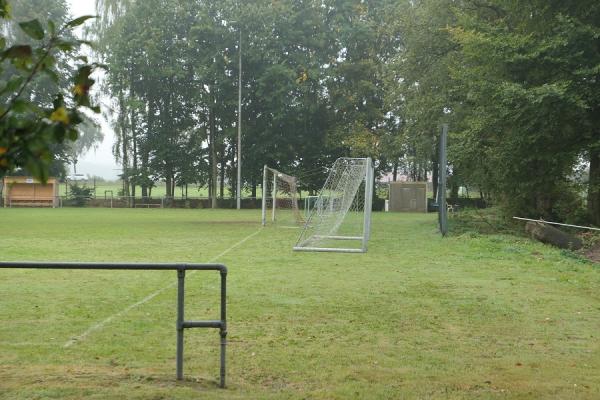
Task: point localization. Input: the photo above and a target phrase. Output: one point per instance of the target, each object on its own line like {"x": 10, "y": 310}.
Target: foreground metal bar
{"x": 180, "y": 316}
{"x": 338, "y": 237}
{"x": 181, "y": 323}
{"x": 329, "y": 249}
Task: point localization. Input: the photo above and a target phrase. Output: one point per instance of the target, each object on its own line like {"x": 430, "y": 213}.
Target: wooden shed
{"x": 23, "y": 191}
{"x": 408, "y": 196}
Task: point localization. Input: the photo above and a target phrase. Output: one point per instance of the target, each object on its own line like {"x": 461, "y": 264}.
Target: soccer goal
{"x": 340, "y": 220}
{"x": 309, "y": 204}
{"x": 280, "y": 199}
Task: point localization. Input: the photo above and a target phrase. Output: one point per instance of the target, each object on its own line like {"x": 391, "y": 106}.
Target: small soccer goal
{"x": 309, "y": 204}
{"x": 280, "y": 199}
{"x": 340, "y": 219}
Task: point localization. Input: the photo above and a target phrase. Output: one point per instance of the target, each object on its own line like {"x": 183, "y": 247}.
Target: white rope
{"x": 557, "y": 223}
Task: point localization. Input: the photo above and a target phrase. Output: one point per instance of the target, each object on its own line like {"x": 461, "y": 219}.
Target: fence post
{"x": 223, "y": 328}
{"x": 180, "y": 319}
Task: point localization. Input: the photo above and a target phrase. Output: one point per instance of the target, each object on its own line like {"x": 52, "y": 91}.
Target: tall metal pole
{"x": 239, "y": 138}
{"x": 264, "y": 196}
{"x": 274, "y": 194}
{"x": 441, "y": 199}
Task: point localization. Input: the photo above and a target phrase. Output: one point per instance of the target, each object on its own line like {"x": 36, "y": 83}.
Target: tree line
{"x": 516, "y": 81}
{"x": 312, "y": 88}
{"x": 324, "y": 78}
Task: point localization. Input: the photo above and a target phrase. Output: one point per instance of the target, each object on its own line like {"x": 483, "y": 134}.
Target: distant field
{"x": 417, "y": 317}
{"x": 104, "y": 188}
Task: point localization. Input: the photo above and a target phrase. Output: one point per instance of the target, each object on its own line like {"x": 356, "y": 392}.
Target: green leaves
{"x": 13, "y": 84}
{"x": 33, "y": 28}
{"x": 4, "y": 9}
{"x": 78, "y": 21}
{"x": 17, "y": 52}
{"x": 30, "y": 129}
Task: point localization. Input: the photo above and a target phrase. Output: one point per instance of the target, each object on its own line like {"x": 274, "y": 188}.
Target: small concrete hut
{"x": 408, "y": 196}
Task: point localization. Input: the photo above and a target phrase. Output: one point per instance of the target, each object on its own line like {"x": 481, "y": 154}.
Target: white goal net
{"x": 340, "y": 219}
{"x": 280, "y": 199}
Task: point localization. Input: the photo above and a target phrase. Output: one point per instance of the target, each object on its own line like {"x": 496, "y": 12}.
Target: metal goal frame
{"x": 366, "y": 232}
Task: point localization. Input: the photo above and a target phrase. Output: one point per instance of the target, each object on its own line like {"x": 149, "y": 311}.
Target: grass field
{"x": 418, "y": 316}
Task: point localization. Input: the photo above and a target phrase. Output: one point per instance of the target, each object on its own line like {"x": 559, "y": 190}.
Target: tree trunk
{"x": 233, "y": 170}
{"x": 435, "y": 175}
{"x": 132, "y": 122}
{"x": 168, "y": 185}
{"x": 144, "y": 149}
{"x": 593, "y": 196}
{"x": 395, "y": 171}
{"x": 454, "y": 189}
{"x": 222, "y": 173}
{"x": 550, "y": 235}
{"x": 124, "y": 146}
{"x": 213, "y": 152}
{"x": 145, "y": 193}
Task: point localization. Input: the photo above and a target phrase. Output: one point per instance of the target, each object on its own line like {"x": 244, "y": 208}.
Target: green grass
{"x": 465, "y": 317}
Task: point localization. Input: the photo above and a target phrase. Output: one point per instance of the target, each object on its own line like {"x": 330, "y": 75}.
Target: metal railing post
{"x": 182, "y": 324}
{"x": 223, "y": 328}
{"x": 180, "y": 319}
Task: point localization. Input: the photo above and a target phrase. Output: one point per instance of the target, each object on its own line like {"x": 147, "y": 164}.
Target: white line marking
{"x": 146, "y": 299}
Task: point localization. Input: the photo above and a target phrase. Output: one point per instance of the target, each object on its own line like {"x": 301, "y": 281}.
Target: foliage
{"x": 32, "y": 121}
{"x": 322, "y": 79}
{"x": 527, "y": 80}
{"x": 488, "y": 221}
{"x": 518, "y": 84}
{"x": 312, "y": 86}
{"x": 80, "y": 194}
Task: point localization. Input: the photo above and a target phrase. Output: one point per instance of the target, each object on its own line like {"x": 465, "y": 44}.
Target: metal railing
{"x": 181, "y": 324}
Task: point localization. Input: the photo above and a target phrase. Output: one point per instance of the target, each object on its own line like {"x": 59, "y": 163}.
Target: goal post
{"x": 280, "y": 199}
{"x": 309, "y": 203}
{"x": 340, "y": 220}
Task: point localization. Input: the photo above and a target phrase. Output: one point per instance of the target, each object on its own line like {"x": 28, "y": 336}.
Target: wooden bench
{"x": 28, "y": 202}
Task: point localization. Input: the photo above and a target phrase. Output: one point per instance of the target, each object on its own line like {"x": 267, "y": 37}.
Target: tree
{"x": 30, "y": 126}
{"x": 530, "y": 80}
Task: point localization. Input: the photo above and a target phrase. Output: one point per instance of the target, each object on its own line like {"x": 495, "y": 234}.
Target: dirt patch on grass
{"x": 593, "y": 253}
{"x": 91, "y": 376}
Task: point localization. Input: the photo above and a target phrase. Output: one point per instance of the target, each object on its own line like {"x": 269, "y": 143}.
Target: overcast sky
{"x": 101, "y": 161}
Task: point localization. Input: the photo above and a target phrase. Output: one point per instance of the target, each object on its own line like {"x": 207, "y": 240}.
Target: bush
{"x": 80, "y": 194}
